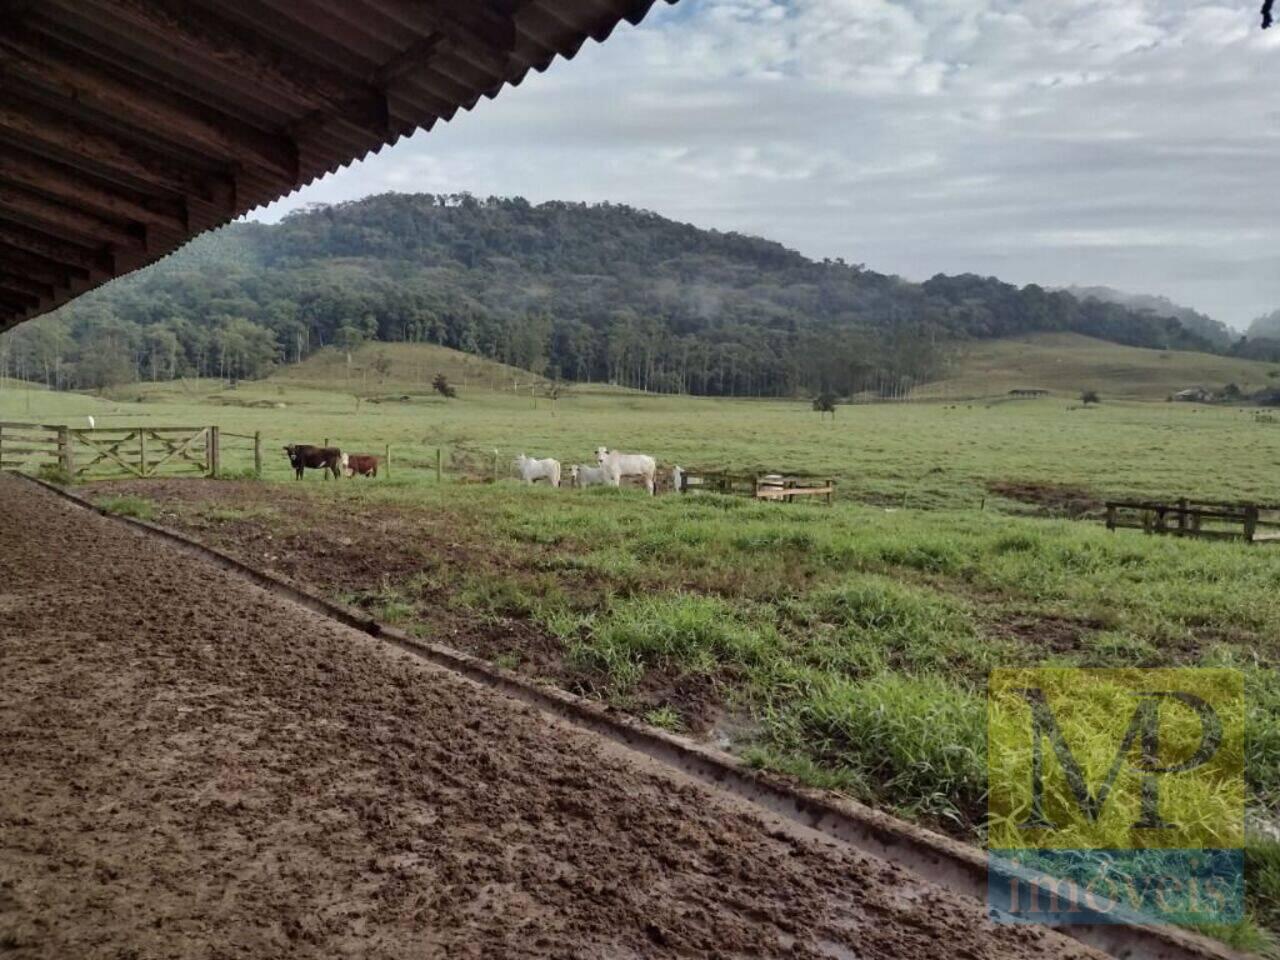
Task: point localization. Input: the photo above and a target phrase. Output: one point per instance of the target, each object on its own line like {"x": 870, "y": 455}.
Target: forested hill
{"x": 1215, "y": 331}
{"x": 579, "y": 292}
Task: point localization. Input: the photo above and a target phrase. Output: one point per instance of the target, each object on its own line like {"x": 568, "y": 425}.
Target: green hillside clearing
{"x": 1067, "y": 363}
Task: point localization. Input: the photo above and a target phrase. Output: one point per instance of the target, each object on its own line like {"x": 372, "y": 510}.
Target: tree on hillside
{"x": 382, "y": 366}
{"x": 443, "y": 387}
{"x": 1089, "y": 396}
{"x": 825, "y": 403}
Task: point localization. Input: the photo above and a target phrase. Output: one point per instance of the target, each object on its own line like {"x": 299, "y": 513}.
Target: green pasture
{"x": 848, "y": 646}
{"x": 922, "y": 454}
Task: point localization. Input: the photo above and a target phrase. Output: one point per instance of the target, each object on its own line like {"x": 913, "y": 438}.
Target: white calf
{"x": 529, "y": 470}
{"x": 618, "y": 465}
{"x": 582, "y": 476}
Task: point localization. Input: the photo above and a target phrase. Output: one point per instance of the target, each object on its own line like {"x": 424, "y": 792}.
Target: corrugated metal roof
{"x": 129, "y": 126}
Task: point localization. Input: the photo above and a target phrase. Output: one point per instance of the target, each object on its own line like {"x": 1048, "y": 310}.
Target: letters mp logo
{"x": 1116, "y": 795}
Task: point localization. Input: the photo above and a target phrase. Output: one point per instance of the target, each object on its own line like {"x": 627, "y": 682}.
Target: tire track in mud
{"x": 193, "y": 767}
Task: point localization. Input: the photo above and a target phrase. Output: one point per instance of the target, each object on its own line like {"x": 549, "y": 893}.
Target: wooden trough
{"x": 760, "y": 486}
{"x": 1206, "y": 519}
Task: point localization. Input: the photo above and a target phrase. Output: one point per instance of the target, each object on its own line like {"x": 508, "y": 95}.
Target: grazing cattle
{"x": 530, "y": 470}
{"x": 618, "y": 465}
{"x": 362, "y": 464}
{"x": 307, "y": 456}
{"x": 583, "y": 476}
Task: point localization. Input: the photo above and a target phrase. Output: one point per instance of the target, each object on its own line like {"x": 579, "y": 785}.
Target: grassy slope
{"x": 413, "y": 367}
{"x": 1067, "y": 363}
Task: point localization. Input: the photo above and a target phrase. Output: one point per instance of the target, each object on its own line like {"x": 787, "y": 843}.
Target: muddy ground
{"x": 192, "y": 767}
{"x": 350, "y": 553}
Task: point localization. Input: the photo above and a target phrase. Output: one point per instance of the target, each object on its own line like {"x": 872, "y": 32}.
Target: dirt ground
{"x": 347, "y": 554}
{"x": 192, "y": 767}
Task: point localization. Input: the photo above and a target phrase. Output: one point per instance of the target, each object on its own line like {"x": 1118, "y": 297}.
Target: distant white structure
{"x": 92, "y": 425}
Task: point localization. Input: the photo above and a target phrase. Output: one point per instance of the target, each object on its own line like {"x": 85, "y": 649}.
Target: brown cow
{"x": 306, "y": 455}
{"x": 363, "y": 464}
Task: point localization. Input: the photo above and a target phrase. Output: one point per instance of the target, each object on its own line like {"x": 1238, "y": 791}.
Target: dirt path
{"x": 191, "y": 767}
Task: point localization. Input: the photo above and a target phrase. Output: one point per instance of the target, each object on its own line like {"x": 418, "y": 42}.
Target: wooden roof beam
{"x": 68, "y": 187}
{"x": 55, "y": 249}
{"x": 32, "y": 59}
{"x": 38, "y": 268}
{"x": 37, "y": 126}
{"x": 32, "y": 207}
{"x": 476, "y": 24}
{"x": 26, "y": 285}
{"x": 13, "y": 302}
{"x": 252, "y": 56}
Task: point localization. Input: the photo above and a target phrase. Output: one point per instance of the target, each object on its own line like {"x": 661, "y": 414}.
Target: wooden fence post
{"x": 1250, "y": 522}
{"x": 257, "y": 454}
{"x": 495, "y": 466}
{"x": 142, "y": 453}
{"x": 1, "y": 447}
{"x": 388, "y": 459}
{"x": 438, "y": 464}
{"x": 215, "y": 462}
{"x": 65, "y": 460}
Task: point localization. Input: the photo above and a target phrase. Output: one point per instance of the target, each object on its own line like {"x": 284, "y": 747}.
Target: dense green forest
{"x": 573, "y": 291}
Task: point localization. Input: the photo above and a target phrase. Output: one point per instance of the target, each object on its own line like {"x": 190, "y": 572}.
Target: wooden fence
{"x": 102, "y": 452}
{"x": 1208, "y": 519}
{"x": 761, "y": 486}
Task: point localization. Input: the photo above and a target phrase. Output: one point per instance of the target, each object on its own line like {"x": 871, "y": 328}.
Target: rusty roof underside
{"x": 129, "y": 126}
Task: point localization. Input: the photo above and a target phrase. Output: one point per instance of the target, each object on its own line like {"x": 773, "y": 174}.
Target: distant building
{"x": 1194, "y": 395}
{"x": 1028, "y": 392}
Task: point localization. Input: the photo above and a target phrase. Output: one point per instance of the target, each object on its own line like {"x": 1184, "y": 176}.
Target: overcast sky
{"x": 1132, "y": 143}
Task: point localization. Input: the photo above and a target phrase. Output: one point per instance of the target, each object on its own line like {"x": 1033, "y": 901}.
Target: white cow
{"x": 529, "y": 470}
{"x": 584, "y": 476}
{"x": 618, "y": 465}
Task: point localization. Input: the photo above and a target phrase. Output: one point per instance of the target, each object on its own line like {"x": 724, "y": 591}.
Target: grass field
{"x": 1068, "y": 363}
{"x": 846, "y": 646}
{"x": 954, "y": 455}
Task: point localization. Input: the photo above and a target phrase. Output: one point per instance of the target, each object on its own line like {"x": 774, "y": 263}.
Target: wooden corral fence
{"x": 761, "y": 486}
{"x": 1251, "y": 522}
{"x": 100, "y": 452}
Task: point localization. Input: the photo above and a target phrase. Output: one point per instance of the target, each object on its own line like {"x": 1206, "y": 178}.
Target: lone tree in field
{"x": 1089, "y": 396}
{"x": 443, "y": 387}
{"x": 825, "y": 403}
{"x": 382, "y": 366}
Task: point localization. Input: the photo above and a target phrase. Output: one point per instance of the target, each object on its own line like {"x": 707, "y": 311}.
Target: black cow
{"x": 303, "y": 455}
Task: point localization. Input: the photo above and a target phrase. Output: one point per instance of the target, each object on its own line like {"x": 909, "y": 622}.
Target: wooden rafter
{"x": 88, "y": 258}
{"x": 129, "y": 126}
{"x": 251, "y": 57}
{"x": 40, "y": 269}
{"x": 26, "y": 285}
{"x": 66, "y": 186}
{"x": 67, "y": 138}
{"x": 31, "y": 59}
{"x": 29, "y": 207}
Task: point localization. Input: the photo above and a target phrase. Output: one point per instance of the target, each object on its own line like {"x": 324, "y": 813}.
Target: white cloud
{"x": 1129, "y": 142}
